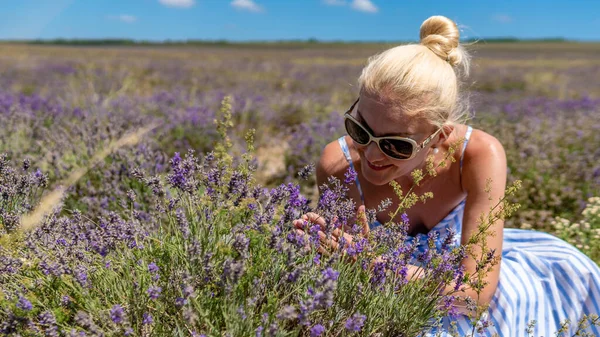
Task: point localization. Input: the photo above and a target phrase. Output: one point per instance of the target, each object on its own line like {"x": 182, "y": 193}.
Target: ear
{"x": 444, "y": 134}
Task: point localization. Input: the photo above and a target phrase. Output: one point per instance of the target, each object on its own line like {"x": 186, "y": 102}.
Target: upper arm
{"x": 329, "y": 163}
{"x": 333, "y": 163}
{"x": 484, "y": 180}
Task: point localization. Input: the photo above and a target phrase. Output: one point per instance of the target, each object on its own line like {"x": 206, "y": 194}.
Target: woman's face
{"x": 387, "y": 119}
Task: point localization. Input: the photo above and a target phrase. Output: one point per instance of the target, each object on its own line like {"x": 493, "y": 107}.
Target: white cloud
{"x": 248, "y": 5}
{"x": 334, "y": 2}
{"x": 178, "y": 3}
{"x": 124, "y": 18}
{"x": 502, "y": 18}
{"x": 364, "y": 6}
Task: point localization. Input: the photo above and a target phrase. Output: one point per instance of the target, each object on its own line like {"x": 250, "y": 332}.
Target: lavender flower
{"x": 241, "y": 245}
{"x": 147, "y": 319}
{"x": 48, "y": 321}
{"x": 316, "y": 259}
{"x": 65, "y": 300}
{"x": 189, "y": 315}
{"x": 306, "y": 171}
{"x": 241, "y": 312}
{"x": 154, "y": 292}
{"x": 188, "y": 290}
{"x": 448, "y": 305}
{"x": 180, "y": 302}
{"x": 356, "y": 322}
{"x": 329, "y": 275}
{"x": 117, "y": 314}
{"x": 24, "y": 304}
{"x": 350, "y": 176}
{"x": 288, "y": 313}
{"x": 317, "y": 330}
{"x": 152, "y": 268}
{"x": 183, "y": 223}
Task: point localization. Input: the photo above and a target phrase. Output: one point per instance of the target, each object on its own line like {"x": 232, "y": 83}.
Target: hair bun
{"x": 441, "y": 36}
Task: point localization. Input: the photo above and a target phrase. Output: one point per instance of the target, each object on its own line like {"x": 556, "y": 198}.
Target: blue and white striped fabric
{"x": 542, "y": 278}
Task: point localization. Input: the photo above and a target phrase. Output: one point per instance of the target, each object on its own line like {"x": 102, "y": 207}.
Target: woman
{"x": 410, "y": 107}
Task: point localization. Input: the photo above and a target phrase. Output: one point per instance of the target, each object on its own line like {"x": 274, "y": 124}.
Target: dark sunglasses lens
{"x": 396, "y": 148}
{"x": 357, "y": 133}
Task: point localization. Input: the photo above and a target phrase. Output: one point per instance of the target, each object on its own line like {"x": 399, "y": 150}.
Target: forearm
{"x": 414, "y": 272}
{"x": 481, "y": 299}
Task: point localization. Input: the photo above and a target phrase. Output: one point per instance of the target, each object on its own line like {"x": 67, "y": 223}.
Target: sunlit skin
{"x": 484, "y": 158}
{"x": 388, "y": 119}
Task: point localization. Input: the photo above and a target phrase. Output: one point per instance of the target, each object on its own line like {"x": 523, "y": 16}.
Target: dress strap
{"x": 344, "y": 146}
{"x": 462, "y": 155}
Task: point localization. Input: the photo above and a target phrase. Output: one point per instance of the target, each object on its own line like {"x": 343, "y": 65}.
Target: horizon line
{"x": 109, "y": 40}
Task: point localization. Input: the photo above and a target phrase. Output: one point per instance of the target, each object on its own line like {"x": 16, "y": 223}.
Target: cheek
{"x": 400, "y": 168}
{"x": 361, "y": 150}
{"x": 407, "y": 166}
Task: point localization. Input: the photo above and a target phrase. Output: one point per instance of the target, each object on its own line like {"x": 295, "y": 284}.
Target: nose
{"x": 373, "y": 154}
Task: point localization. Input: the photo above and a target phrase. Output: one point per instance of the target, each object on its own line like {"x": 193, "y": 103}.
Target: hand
{"x": 327, "y": 245}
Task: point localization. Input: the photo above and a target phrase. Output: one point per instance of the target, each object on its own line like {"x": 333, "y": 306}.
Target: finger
{"x": 334, "y": 222}
{"x": 348, "y": 238}
{"x": 299, "y": 223}
{"x": 315, "y": 218}
{"x": 304, "y": 235}
{"x": 336, "y": 233}
{"x": 361, "y": 218}
{"x": 323, "y": 251}
{"x": 307, "y": 246}
{"x": 340, "y": 227}
{"x": 328, "y": 243}
{"x": 347, "y": 228}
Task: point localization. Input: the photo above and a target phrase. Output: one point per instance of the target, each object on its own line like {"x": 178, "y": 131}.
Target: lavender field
{"x": 100, "y": 139}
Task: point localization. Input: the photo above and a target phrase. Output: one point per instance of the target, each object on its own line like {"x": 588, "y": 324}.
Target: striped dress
{"x": 542, "y": 278}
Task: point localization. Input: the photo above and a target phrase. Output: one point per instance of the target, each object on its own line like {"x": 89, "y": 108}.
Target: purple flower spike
{"x": 154, "y": 292}
{"x": 176, "y": 159}
{"x": 180, "y": 302}
{"x": 350, "y": 175}
{"x": 356, "y": 322}
{"x": 330, "y": 274}
{"x": 317, "y": 330}
{"x": 153, "y": 268}
{"x": 147, "y": 319}
{"x": 116, "y": 314}
{"x": 24, "y": 304}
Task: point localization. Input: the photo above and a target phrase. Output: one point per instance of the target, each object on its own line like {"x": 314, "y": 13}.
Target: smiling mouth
{"x": 377, "y": 167}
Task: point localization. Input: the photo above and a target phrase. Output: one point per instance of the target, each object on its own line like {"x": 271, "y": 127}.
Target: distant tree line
{"x": 311, "y": 41}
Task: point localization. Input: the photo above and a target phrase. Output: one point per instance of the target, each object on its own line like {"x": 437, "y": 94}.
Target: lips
{"x": 377, "y": 167}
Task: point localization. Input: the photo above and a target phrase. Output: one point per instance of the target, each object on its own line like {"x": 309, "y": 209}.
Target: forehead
{"x": 386, "y": 117}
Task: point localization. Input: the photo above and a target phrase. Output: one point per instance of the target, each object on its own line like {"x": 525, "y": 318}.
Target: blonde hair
{"x": 423, "y": 78}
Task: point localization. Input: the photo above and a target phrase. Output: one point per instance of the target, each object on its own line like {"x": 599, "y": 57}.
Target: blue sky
{"x": 240, "y": 20}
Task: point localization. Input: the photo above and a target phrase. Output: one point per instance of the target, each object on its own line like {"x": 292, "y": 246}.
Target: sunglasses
{"x": 395, "y": 147}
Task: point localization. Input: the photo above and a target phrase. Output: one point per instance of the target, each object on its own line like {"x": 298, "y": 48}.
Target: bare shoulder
{"x": 331, "y": 163}
{"x": 484, "y": 158}
{"x": 483, "y": 145}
